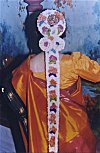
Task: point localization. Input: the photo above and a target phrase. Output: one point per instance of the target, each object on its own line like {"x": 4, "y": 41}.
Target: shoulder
{"x": 72, "y": 55}
{"x": 34, "y": 59}
{"x": 76, "y": 55}
{"x": 79, "y": 56}
{"x": 37, "y": 62}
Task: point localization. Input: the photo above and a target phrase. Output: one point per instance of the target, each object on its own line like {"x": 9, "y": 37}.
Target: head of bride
{"x": 33, "y": 36}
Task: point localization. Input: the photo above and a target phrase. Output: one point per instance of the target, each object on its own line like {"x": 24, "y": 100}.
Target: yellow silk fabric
{"x": 73, "y": 118}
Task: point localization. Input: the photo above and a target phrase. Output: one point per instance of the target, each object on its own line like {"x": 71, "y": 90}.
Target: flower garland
{"x": 51, "y": 24}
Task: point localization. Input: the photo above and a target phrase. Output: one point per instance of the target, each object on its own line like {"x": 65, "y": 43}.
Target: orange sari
{"x": 75, "y": 135}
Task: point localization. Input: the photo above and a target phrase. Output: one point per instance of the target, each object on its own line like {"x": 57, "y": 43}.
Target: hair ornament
{"x": 51, "y": 25}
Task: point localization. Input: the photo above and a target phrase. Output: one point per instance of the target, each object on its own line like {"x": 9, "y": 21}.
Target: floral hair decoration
{"x": 51, "y": 25}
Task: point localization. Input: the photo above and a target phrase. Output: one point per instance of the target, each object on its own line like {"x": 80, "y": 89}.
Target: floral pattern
{"x": 52, "y": 83}
{"x": 51, "y": 25}
{"x": 53, "y": 130}
{"x": 52, "y": 19}
{"x": 52, "y": 141}
{"x": 52, "y": 59}
{"x": 52, "y": 95}
{"x": 52, "y": 119}
{"x": 45, "y": 44}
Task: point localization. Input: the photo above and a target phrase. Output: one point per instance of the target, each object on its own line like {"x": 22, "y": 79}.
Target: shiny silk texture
{"x": 75, "y": 135}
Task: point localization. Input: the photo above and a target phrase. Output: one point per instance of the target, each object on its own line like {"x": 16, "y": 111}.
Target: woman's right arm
{"x": 85, "y": 67}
